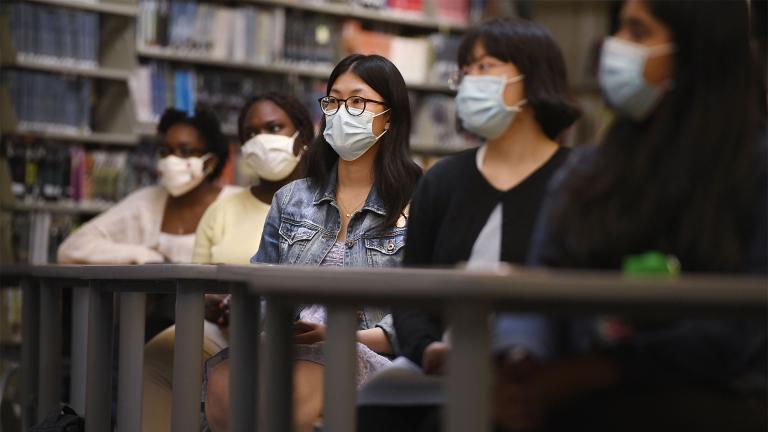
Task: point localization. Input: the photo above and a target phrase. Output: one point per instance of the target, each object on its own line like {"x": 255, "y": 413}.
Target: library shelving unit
{"x": 416, "y": 20}
{"x": 113, "y": 118}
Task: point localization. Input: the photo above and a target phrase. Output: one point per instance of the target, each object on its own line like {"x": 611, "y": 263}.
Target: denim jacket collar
{"x": 328, "y": 194}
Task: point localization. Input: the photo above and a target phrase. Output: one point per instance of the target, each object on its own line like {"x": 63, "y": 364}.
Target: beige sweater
{"x": 127, "y": 233}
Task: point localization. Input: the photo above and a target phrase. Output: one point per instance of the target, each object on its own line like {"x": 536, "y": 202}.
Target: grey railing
{"x": 465, "y": 297}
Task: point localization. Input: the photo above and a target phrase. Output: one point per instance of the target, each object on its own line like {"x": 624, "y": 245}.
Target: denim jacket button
{"x": 390, "y": 246}
{"x": 350, "y": 244}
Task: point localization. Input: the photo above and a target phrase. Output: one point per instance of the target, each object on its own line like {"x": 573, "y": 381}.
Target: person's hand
{"x": 217, "y": 308}
{"x": 525, "y": 390}
{"x": 435, "y": 358}
{"x": 308, "y": 333}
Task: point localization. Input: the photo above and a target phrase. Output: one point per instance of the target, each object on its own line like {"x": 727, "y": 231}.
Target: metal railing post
{"x": 78, "y": 348}
{"x": 131, "y": 361}
{"x": 245, "y": 321}
{"x": 49, "y": 384}
{"x": 188, "y": 356}
{"x": 30, "y": 331}
{"x": 340, "y": 389}
{"x": 278, "y": 405}
{"x": 469, "y": 369}
{"x": 98, "y": 388}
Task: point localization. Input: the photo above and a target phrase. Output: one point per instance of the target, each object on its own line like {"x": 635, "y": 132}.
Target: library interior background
{"x": 84, "y": 84}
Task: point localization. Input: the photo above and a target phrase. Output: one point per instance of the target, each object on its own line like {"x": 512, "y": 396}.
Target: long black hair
{"x": 683, "y": 181}
{"x": 535, "y": 53}
{"x": 395, "y": 174}
{"x": 207, "y": 125}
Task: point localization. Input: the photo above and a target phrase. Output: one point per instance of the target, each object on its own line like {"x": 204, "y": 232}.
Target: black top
{"x": 450, "y": 207}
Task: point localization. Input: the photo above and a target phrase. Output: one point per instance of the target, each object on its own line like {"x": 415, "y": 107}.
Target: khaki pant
{"x": 158, "y": 373}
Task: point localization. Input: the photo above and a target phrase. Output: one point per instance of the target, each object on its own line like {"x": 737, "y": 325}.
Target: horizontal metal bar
{"x": 508, "y": 287}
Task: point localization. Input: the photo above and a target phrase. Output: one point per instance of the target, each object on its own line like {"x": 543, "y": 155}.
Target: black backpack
{"x": 62, "y": 419}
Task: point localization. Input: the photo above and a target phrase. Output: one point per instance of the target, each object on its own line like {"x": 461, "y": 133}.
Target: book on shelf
{"x": 48, "y": 172}
{"x": 267, "y": 35}
{"x": 434, "y": 126}
{"x": 10, "y": 315}
{"x": 53, "y": 34}
{"x": 240, "y": 34}
{"x": 49, "y": 102}
{"x": 156, "y": 86}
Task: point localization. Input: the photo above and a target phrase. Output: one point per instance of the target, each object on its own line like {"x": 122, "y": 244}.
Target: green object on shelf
{"x": 651, "y": 263}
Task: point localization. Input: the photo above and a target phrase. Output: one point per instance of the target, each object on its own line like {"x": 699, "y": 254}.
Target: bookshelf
{"x": 418, "y": 20}
{"x": 83, "y": 208}
{"x": 26, "y": 62}
{"x": 100, "y": 138}
{"x": 301, "y": 69}
{"x": 102, "y": 7}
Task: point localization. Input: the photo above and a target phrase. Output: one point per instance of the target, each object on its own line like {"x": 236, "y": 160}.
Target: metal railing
{"x": 465, "y": 297}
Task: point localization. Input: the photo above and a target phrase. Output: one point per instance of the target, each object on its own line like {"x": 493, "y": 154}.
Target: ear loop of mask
{"x": 385, "y": 130}
{"x": 515, "y": 107}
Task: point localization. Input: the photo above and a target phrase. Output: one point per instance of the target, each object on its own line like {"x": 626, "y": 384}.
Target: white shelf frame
{"x": 104, "y": 138}
{"x": 347, "y": 11}
{"x": 285, "y": 68}
{"x": 126, "y": 10}
{"x": 88, "y": 208}
{"x": 23, "y": 62}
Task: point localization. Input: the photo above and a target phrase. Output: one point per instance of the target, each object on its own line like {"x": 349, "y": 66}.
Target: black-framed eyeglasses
{"x": 355, "y": 105}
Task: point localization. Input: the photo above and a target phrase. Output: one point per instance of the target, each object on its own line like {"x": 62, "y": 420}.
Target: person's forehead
{"x": 183, "y": 134}
{"x": 349, "y": 84}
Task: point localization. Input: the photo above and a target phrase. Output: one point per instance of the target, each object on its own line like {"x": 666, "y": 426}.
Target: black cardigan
{"x": 451, "y": 206}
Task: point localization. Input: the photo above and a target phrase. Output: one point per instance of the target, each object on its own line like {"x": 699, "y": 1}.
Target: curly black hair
{"x": 295, "y": 110}
{"x": 207, "y": 125}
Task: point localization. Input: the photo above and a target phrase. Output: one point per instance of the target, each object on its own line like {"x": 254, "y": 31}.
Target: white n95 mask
{"x": 622, "y": 64}
{"x": 180, "y": 175}
{"x": 351, "y": 136}
{"x": 480, "y": 104}
{"x": 271, "y": 156}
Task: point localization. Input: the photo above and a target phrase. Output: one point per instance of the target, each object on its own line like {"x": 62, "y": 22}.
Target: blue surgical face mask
{"x": 351, "y": 136}
{"x": 480, "y": 104}
{"x": 622, "y": 64}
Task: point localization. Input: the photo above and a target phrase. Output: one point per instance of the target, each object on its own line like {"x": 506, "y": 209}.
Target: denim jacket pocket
{"x": 385, "y": 250}
{"x": 294, "y": 237}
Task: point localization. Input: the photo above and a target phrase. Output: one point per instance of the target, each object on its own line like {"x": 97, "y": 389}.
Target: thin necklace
{"x": 347, "y": 213}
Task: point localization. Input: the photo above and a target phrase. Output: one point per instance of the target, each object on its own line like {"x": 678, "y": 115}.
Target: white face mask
{"x": 271, "y": 156}
{"x": 480, "y": 104}
{"x": 622, "y": 64}
{"x": 180, "y": 175}
{"x": 351, "y": 136}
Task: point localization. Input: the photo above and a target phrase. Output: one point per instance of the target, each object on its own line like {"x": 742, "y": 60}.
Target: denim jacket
{"x": 303, "y": 224}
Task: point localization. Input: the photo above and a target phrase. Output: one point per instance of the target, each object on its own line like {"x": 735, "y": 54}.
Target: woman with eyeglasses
{"x": 350, "y": 211}
{"x": 512, "y": 93}
{"x": 158, "y": 223}
{"x": 480, "y": 206}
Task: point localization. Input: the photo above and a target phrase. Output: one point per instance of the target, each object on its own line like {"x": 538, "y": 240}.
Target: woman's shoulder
{"x": 449, "y": 166}
{"x": 449, "y": 170}
{"x": 569, "y": 161}
{"x": 145, "y": 195}
{"x": 296, "y": 192}
{"x": 230, "y": 190}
